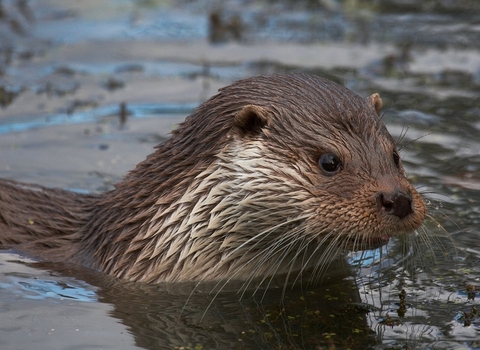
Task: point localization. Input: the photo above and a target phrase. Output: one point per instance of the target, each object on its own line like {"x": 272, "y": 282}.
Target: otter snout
{"x": 395, "y": 203}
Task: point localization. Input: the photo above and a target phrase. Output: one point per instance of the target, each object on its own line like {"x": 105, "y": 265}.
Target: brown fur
{"x": 235, "y": 193}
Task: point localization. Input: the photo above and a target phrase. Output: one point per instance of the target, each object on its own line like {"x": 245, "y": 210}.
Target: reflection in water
{"x": 37, "y": 289}
{"x": 171, "y": 316}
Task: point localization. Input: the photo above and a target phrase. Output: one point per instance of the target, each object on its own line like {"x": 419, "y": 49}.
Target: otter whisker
{"x": 302, "y": 245}
{"x": 262, "y": 234}
{"x": 291, "y": 240}
{"x": 330, "y": 252}
{"x": 280, "y": 259}
{"x": 412, "y": 141}
{"x": 245, "y": 286}
{"x": 402, "y": 135}
{"x": 289, "y": 272}
{"x": 276, "y": 249}
{"x": 271, "y": 248}
{"x": 427, "y": 240}
{"x": 306, "y": 255}
{"x": 279, "y": 251}
{"x": 319, "y": 246}
{"x": 433, "y": 240}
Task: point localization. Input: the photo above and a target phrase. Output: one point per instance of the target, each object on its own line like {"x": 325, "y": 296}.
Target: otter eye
{"x": 396, "y": 158}
{"x": 330, "y": 163}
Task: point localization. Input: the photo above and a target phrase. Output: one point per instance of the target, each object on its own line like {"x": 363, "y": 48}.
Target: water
{"x": 66, "y": 67}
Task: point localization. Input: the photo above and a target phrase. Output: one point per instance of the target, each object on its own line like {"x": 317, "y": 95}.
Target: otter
{"x": 273, "y": 175}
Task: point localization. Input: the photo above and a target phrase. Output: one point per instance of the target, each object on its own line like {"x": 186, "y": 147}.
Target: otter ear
{"x": 251, "y": 119}
{"x": 375, "y": 101}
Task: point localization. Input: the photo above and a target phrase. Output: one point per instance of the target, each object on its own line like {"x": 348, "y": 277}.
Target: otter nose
{"x": 397, "y": 203}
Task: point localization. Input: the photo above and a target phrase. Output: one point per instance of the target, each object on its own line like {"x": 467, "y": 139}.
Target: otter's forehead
{"x": 317, "y": 109}
{"x": 304, "y": 99}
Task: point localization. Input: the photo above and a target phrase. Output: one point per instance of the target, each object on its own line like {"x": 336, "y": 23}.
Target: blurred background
{"x": 88, "y": 88}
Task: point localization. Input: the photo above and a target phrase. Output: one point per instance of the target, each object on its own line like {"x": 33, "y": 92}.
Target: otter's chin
{"x": 368, "y": 243}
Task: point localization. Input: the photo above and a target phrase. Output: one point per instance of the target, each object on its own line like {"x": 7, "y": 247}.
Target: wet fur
{"x": 235, "y": 193}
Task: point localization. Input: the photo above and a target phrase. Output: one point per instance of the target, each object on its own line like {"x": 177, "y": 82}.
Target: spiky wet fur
{"x": 235, "y": 193}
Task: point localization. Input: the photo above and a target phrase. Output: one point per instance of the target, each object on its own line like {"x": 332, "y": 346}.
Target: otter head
{"x": 273, "y": 175}
{"x": 313, "y": 171}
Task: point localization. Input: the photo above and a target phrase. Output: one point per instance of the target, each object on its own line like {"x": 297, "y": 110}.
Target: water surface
{"x": 66, "y": 68}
